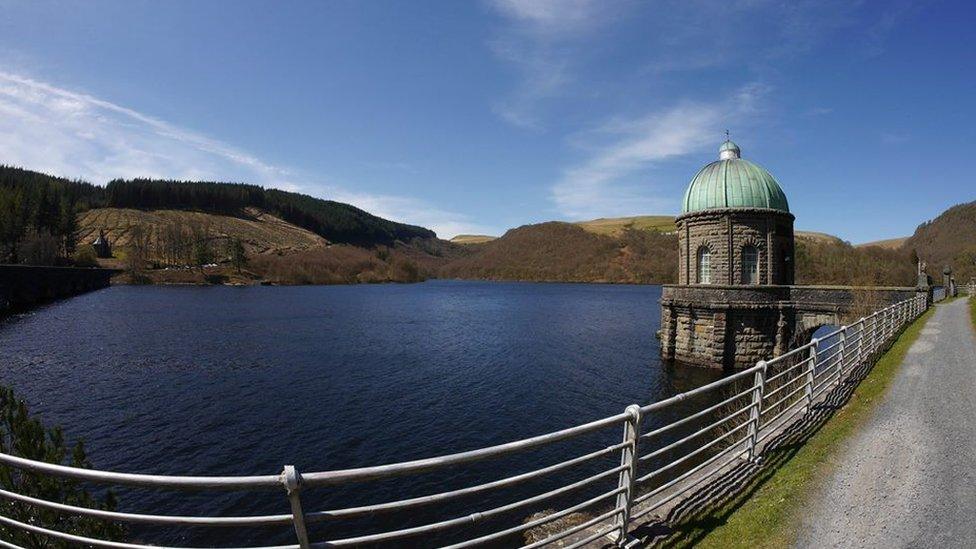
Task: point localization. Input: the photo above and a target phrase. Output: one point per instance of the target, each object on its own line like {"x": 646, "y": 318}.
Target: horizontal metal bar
{"x": 788, "y": 354}
{"x": 8, "y": 545}
{"x": 152, "y": 481}
{"x": 767, "y": 409}
{"x": 531, "y": 524}
{"x": 768, "y": 426}
{"x": 691, "y": 454}
{"x": 787, "y": 370}
{"x": 688, "y": 473}
{"x": 266, "y": 520}
{"x": 473, "y": 517}
{"x": 359, "y": 474}
{"x": 690, "y": 485}
{"x": 835, "y": 375}
{"x": 830, "y": 347}
{"x": 403, "y": 504}
{"x": 591, "y": 538}
{"x": 696, "y": 415}
{"x": 694, "y": 392}
{"x": 694, "y": 435}
{"x": 570, "y": 531}
{"x": 786, "y": 385}
{"x": 101, "y": 543}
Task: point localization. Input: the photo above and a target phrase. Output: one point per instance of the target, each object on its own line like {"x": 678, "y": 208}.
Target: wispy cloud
{"x": 55, "y": 130}
{"x": 540, "y": 40}
{"x": 600, "y": 186}
{"x": 894, "y": 138}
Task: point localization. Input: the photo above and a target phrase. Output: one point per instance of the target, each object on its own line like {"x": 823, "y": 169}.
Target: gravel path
{"x": 908, "y": 479}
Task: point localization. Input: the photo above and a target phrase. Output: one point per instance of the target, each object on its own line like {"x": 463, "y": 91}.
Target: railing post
{"x": 808, "y": 384}
{"x": 628, "y": 475}
{"x": 758, "y": 388}
{"x": 293, "y": 485}
{"x": 841, "y": 354}
{"x": 860, "y": 343}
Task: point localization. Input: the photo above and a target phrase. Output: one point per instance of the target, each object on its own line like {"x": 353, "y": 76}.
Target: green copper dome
{"x": 732, "y": 182}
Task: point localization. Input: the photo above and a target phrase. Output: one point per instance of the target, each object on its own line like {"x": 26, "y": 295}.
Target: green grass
{"x": 972, "y": 310}
{"x": 769, "y": 511}
{"x": 613, "y": 226}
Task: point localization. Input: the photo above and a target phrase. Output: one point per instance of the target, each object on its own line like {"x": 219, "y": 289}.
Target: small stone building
{"x": 102, "y": 247}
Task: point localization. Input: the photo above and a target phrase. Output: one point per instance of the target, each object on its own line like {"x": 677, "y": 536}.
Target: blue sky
{"x": 474, "y": 117}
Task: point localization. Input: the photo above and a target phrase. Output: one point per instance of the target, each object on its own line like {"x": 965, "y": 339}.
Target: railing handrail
{"x": 768, "y": 412}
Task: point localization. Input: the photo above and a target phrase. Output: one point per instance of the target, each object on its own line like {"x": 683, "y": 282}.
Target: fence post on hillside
{"x": 293, "y": 485}
{"x": 758, "y": 387}
{"x": 808, "y": 383}
{"x": 842, "y": 354}
{"x": 628, "y": 475}
{"x": 859, "y": 357}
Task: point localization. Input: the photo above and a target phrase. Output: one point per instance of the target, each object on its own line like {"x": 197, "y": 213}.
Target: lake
{"x": 222, "y": 380}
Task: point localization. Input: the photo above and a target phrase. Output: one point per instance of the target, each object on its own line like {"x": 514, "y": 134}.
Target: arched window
{"x": 750, "y": 265}
{"x": 704, "y": 266}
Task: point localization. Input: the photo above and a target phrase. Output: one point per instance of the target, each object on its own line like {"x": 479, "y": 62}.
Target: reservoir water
{"x": 220, "y": 380}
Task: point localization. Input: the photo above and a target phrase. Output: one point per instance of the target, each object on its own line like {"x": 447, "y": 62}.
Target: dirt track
{"x": 908, "y": 479}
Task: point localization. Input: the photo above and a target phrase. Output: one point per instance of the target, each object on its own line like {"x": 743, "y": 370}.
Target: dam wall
{"x": 23, "y": 286}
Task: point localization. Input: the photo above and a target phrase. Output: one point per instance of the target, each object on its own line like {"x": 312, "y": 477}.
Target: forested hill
{"x": 335, "y": 221}
{"x": 949, "y": 239}
{"x": 36, "y": 203}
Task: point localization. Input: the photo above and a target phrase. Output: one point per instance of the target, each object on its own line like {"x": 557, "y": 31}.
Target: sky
{"x": 479, "y": 116}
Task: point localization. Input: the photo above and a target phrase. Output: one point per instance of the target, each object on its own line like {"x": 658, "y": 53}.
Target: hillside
{"x": 472, "y": 239}
{"x": 816, "y": 237}
{"x": 189, "y": 247}
{"x": 889, "y": 244}
{"x": 614, "y": 226}
{"x": 565, "y": 252}
{"x": 833, "y": 261}
{"x": 259, "y": 232}
{"x": 334, "y": 221}
{"x": 949, "y": 239}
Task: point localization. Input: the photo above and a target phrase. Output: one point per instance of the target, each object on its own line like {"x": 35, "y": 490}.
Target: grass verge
{"x": 769, "y": 513}
{"x": 972, "y": 310}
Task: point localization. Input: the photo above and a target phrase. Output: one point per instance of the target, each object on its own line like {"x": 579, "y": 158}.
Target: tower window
{"x": 750, "y": 265}
{"x": 704, "y": 266}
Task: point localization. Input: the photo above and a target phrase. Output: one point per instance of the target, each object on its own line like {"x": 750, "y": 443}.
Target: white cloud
{"x": 67, "y": 133}
{"x": 539, "y": 40}
{"x": 550, "y": 17}
{"x": 598, "y": 186}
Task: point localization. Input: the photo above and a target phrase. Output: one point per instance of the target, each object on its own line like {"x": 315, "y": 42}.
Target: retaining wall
{"x": 23, "y": 286}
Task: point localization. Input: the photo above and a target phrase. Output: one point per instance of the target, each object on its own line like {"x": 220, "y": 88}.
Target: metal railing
{"x": 652, "y": 465}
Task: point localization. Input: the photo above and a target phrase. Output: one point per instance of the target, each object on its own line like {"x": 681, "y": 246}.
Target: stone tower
{"x": 735, "y": 225}
{"x": 736, "y": 302}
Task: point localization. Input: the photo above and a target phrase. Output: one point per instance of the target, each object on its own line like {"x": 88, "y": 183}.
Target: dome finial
{"x": 728, "y": 150}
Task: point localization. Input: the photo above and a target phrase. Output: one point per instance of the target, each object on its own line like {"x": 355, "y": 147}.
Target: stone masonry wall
{"x": 736, "y": 326}
{"x": 725, "y": 233}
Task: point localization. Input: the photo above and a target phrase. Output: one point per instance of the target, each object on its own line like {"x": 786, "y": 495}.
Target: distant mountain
{"x": 643, "y": 249}
{"x": 949, "y": 239}
{"x": 187, "y": 232}
{"x": 614, "y": 226}
{"x": 334, "y": 221}
{"x": 566, "y": 252}
{"x": 472, "y": 239}
{"x": 889, "y": 244}
{"x": 815, "y": 236}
